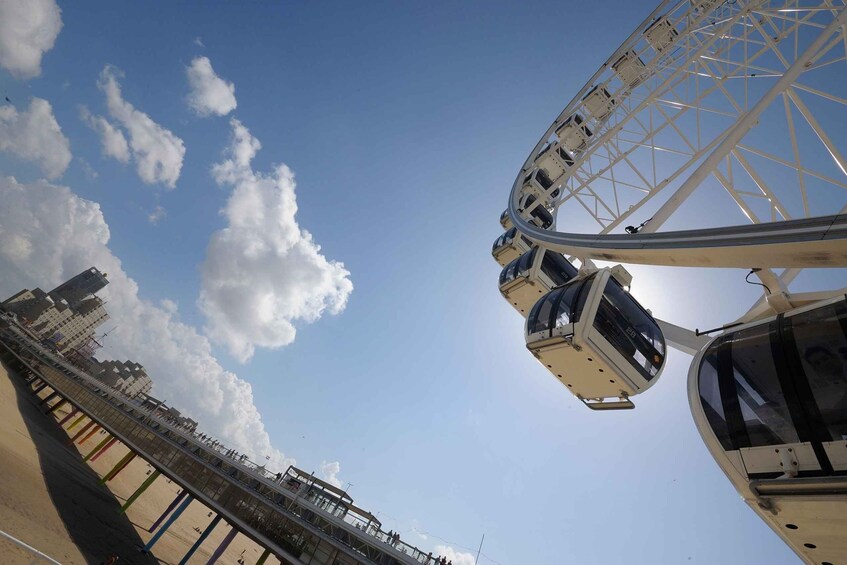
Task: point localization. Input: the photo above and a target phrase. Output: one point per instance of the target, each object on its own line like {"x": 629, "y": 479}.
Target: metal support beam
{"x": 88, "y": 436}
{"x": 70, "y": 415}
{"x": 167, "y": 511}
{"x": 77, "y": 421}
{"x": 201, "y": 539}
{"x": 742, "y": 126}
{"x": 98, "y": 447}
{"x": 134, "y": 496}
{"x": 40, "y": 387}
{"x": 119, "y": 466}
{"x": 48, "y": 398}
{"x": 222, "y": 547}
{"x": 682, "y": 339}
{"x": 167, "y": 524}
{"x": 263, "y": 557}
{"x": 84, "y": 429}
{"x": 57, "y": 406}
{"x": 106, "y": 448}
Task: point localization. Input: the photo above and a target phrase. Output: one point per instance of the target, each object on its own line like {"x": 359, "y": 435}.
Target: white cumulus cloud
{"x": 28, "y": 29}
{"x": 113, "y": 140}
{"x": 48, "y": 234}
{"x": 210, "y": 94}
{"x": 457, "y": 557}
{"x": 157, "y": 152}
{"x": 34, "y": 135}
{"x": 329, "y": 473}
{"x": 263, "y": 272}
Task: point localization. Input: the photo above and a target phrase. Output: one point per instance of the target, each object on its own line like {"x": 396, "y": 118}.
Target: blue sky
{"x": 404, "y": 124}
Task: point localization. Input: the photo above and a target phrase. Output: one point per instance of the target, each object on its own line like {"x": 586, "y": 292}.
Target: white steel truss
{"x": 682, "y": 96}
{"x": 746, "y": 97}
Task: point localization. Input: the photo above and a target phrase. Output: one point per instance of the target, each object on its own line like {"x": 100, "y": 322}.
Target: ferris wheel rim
{"x": 820, "y": 248}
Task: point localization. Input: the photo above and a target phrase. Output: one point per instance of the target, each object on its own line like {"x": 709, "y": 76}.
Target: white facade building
{"x": 127, "y": 377}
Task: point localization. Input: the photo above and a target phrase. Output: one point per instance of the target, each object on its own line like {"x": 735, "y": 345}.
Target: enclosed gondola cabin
{"x": 555, "y": 161}
{"x": 770, "y": 401}
{"x": 509, "y": 246}
{"x": 574, "y": 135}
{"x": 535, "y": 185}
{"x": 506, "y": 220}
{"x": 536, "y": 215}
{"x": 532, "y": 275}
{"x": 597, "y": 340}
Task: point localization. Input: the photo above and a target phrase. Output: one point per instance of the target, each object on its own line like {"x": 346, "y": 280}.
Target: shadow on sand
{"x": 89, "y": 510}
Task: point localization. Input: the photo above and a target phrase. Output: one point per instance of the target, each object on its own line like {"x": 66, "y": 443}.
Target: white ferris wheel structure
{"x": 745, "y": 100}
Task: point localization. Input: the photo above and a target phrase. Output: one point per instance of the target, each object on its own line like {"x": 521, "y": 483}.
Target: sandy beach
{"x": 52, "y": 500}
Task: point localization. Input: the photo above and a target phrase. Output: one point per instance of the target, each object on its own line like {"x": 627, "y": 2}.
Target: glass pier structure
{"x": 299, "y": 518}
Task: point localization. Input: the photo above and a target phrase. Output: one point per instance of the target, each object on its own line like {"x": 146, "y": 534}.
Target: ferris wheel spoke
{"x": 682, "y": 101}
{"x": 819, "y": 131}
{"x": 781, "y": 161}
{"x": 760, "y": 183}
{"x": 648, "y": 139}
{"x": 744, "y": 125}
{"x": 719, "y": 97}
{"x": 801, "y": 181}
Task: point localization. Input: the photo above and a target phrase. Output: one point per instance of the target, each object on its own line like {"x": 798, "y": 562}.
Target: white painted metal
{"x": 809, "y": 514}
{"x": 746, "y": 99}
{"x": 528, "y": 286}
{"x": 703, "y": 90}
{"x": 683, "y": 339}
{"x": 582, "y": 359}
{"x": 510, "y": 246}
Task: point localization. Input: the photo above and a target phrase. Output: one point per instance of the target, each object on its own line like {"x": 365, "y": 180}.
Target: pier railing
{"x": 285, "y": 522}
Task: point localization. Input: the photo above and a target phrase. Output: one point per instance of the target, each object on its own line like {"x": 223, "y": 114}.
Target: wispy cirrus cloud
{"x": 157, "y": 214}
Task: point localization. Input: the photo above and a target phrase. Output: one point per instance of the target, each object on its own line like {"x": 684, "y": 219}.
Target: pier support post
{"x": 87, "y": 436}
{"x": 119, "y": 466}
{"x": 134, "y": 496}
{"x": 112, "y": 441}
{"x": 167, "y": 524}
{"x": 70, "y": 415}
{"x": 84, "y": 429}
{"x": 167, "y": 511}
{"x": 222, "y": 547}
{"x": 200, "y": 540}
{"x": 263, "y": 557}
{"x": 48, "y": 398}
{"x": 39, "y": 388}
{"x": 98, "y": 447}
{"x": 57, "y": 406}
{"x": 76, "y": 422}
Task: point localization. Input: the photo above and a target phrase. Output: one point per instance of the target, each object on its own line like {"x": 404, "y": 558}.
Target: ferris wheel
{"x": 744, "y": 102}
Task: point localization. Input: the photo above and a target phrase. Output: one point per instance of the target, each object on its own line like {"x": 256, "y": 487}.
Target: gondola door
{"x": 760, "y": 404}
{"x": 817, "y": 339}
{"x": 775, "y": 393}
